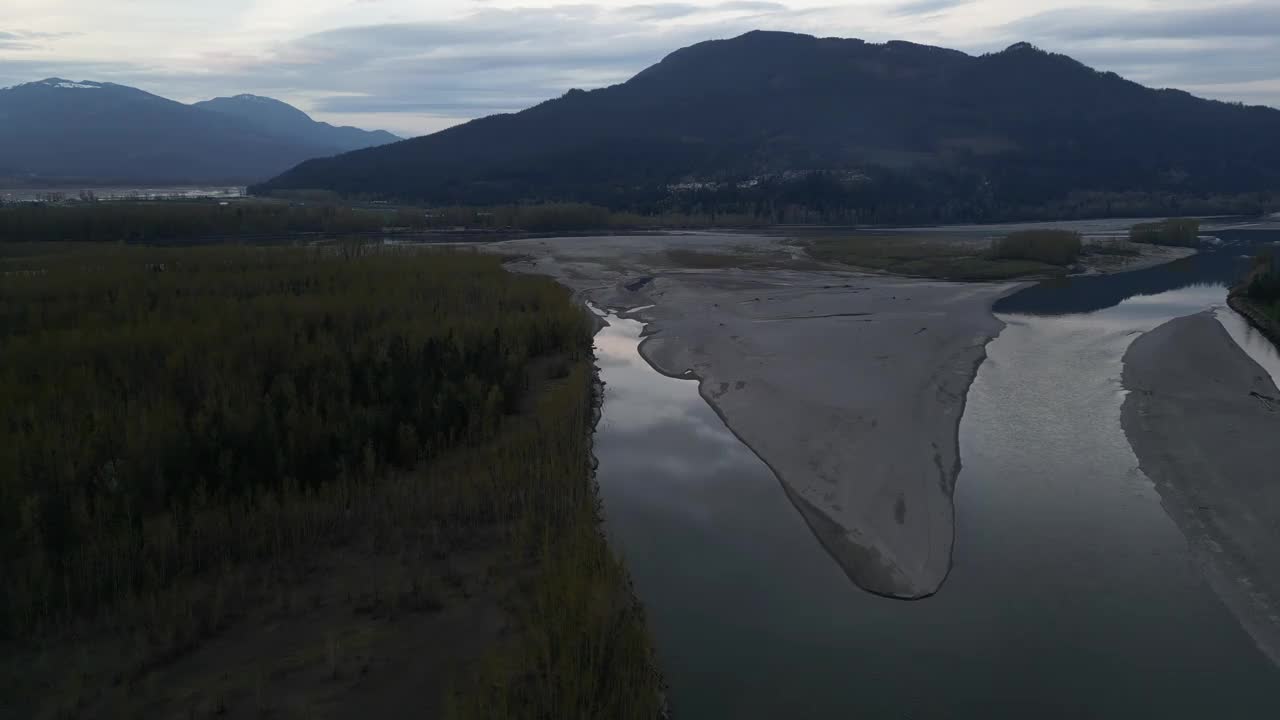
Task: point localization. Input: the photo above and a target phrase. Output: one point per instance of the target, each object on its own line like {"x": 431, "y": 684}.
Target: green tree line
{"x": 1263, "y": 285}
{"x": 167, "y": 221}
{"x": 1177, "y": 232}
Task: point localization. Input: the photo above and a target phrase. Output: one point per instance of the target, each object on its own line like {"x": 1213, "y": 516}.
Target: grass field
{"x": 302, "y": 482}
{"x": 1175, "y": 232}
{"x": 924, "y": 256}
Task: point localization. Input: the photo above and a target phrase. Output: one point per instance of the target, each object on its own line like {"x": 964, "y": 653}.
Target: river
{"x": 1072, "y": 592}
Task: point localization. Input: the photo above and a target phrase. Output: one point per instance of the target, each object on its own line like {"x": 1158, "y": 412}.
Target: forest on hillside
{"x": 791, "y": 128}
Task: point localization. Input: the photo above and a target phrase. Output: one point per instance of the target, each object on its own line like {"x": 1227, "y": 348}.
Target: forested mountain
{"x": 285, "y": 120}
{"x": 887, "y": 130}
{"x": 57, "y": 130}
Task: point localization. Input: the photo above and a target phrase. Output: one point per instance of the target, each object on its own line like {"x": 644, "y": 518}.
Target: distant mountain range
{"x": 57, "y": 130}
{"x": 285, "y": 120}
{"x": 770, "y": 119}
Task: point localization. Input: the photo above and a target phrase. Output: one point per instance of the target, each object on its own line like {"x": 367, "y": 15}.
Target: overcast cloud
{"x": 414, "y": 67}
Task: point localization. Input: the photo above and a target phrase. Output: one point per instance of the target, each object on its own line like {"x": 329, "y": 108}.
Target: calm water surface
{"x": 1073, "y": 594}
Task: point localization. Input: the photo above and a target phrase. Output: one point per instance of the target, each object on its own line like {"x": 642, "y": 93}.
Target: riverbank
{"x": 852, "y": 394}
{"x": 1203, "y": 419}
{"x": 1257, "y": 317}
{"x": 849, "y": 385}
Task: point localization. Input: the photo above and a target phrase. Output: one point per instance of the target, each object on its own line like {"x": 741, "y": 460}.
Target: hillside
{"x": 284, "y": 120}
{"x": 57, "y": 130}
{"x": 749, "y": 120}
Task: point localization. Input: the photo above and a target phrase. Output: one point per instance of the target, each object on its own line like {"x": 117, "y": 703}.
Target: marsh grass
{"x": 1053, "y": 247}
{"x": 1176, "y": 232}
{"x": 1116, "y": 248}
{"x": 195, "y": 220}
{"x": 923, "y": 256}
{"x": 171, "y": 220}
{"x": 191, "y": 429}
{"x": 1263, "y": 285}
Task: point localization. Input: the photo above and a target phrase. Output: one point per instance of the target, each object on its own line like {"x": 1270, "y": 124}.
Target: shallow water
{"x": 1072, "y": 595}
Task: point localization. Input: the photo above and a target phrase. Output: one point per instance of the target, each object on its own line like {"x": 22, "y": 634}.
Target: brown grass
{"x": 925, "y": 256}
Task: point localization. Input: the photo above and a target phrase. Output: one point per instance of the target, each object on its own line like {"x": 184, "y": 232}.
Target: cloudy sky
{"x": 416, "y": 66}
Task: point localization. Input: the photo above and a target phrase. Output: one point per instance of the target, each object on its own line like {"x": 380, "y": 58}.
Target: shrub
{"x": 170, "y": 221}
{"x": 1056, "y": 247}
{"x": 1121, "y": 248}
{"x": 1176, "y": 232}
{"x": 1264, "y": 282}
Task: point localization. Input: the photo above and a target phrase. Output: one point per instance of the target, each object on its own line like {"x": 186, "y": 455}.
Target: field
{"x": 176, "y": 221}
{"x": 237, "y": 481}
{"x": 925, "y": 256}
{"x": 1176, "y": 232}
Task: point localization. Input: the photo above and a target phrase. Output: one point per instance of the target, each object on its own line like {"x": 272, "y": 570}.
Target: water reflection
{"x": 1258, "y": 347}
{"x": 1072, "y": 594}
{"x": 1222, "y": 264}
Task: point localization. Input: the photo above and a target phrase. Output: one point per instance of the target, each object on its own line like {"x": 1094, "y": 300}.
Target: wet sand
{"x": 852, "y": 393}
{"x": 1204, "y": 421}
{"x": 849, "y": 386}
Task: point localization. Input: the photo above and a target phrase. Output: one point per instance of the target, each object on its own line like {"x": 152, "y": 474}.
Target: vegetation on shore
{"x": 173, "y": 221}
{"x": 188, "y": 431}
{"x": 1263, "y": 285}
{"x": 925, "y": 256}
{"x": 1175, "y": 232}
{"x": 1055, "y": 247}
{"x": 176, "y": 220}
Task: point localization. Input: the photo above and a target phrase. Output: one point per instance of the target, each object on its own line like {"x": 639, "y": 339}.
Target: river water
{"x": 1073, "y": 595}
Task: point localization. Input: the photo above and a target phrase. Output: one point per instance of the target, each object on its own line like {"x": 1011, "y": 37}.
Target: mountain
{"x": 285, "y": 120}
{"x": 58, "y": 130}
{"x": 773, "y": 118}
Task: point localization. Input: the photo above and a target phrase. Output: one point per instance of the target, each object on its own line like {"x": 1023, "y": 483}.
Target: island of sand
{"x": 850, "y": 386}
{"x": 1204, "y": 420}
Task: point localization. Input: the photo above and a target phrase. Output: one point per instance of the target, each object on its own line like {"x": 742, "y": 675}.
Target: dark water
{"x": 1073, "y": 594}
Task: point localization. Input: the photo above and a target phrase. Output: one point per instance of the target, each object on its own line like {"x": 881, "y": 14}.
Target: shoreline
{"x": 1269, "y": 328}
{"x": 824, "y": 528}
{"x": 858, "y": 518}
{"x": 849, "y": 386}
{"x": 597, "y": 400}
{"x": 1191, "y": 392}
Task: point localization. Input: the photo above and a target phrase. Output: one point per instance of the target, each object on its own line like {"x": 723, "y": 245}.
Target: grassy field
{"x": 1176, "y": 232}
{"x": 302, "y": 483}
{"x": 1053, "y": 247}
{"x": 925, "y": 256}
{"x": 178, "y": 220}
{"x": 170, "y": 221}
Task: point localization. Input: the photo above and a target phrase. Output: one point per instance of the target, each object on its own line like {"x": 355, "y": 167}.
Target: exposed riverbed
{"x": 1072, "y": 594}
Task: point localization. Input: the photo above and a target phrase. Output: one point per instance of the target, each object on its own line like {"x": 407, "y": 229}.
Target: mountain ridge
{"x": 282, "y": 118}
{"x": 1021, "y": 126}
{"x": 56, "y": 130}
